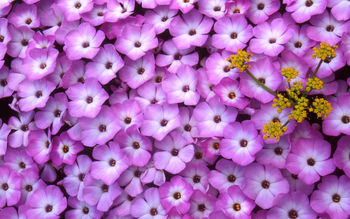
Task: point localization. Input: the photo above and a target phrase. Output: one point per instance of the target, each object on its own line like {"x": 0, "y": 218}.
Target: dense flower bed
{"x": 174, "y": 109}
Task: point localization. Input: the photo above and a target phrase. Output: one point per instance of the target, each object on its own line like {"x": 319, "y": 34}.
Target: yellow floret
{"x": 273, "y": 130}
{"x": 299, "y": 113}
{"x": 295, "y": 90}
{"x": 321, "y": 108}
{"x": 325, "y": 52}
{"x": 314, "y": 84}
{"x": 240, "y": 60}
{"x": 289, "y": 73}
{"x": 282, "y": 103}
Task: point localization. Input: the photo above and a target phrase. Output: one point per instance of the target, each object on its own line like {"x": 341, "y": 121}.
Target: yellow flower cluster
{"x": 321, "y": 107}
{"x": 273, "y": 130}
{"x": 282, "y": 103}
{"x": 299, "y": 113}
{"x": 289, "y": 73}
{"x": 240, "y": 60}
{"x": 314, "y": 84}
{"x": 325, "y": 52}
{"x": 295, "y": 90}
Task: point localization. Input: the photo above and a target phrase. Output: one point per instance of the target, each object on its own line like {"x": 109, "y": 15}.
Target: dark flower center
{"x": 81, "y": 176}
{"x": 336, "y": 198}
{"x": 89, "y": 99}
{"x": 198, "y": 155}
{"x": 130, "y": 198}
{"x": 217, "y": 8}
{"x": 5, "y": 186}
{"x": 165, "y": 18}
{"x": 59, "y": 23}
{"x": 100, "y": 14}
{"x": 177, "y": 195}
{"x": 294, "y": 176}
{"x": 308, "y": 3}
{"x": 164, "y": 122}
{"x": 175, "y": 152}
{"x": 102, "y": 128}
{"x": 330, "y": 28}
{"x": 231, "y": 178}
{"x": 177, "y": 56}
{"x": 105, "y": 188}
{"x": 153, "y": 211}
{"x": 86, "y": 45}
{"x": 136, "y": 145}
{"x": 275, "y": 119}
{"x": 22, "y": 165}
{"x": 140, "y": 71}
{"x": 77, "y": 5}
{"x": 236, "y": 11}
{"x": 28, "y": 21}
{"x": 112, "y": 162}
{"x": 216, "y": 145}
{"x": 159, "y": 79}
{"x": 185, "y": 88}
{"x": 2, "y": 38}
{"x": 273, "y": 40}
{"x": 188, "y": 128}
{"x": 47, "y": 144}
{"x": 81, "y": 80}
{"x": 196, "y": 179}
{"x": 217, "y": 119}
{"x": 311, "y": 162}
{"x": 85, "y": 210}
{"x": 262, "y": 80}
{"x": 231, "y": 95}
{"x": 345, "y": 119}
{"x": 39, "y": 94}
{"x": 293, "y": 214}
{"x": 192, "y": 32}
{"x": 243, "y": 143}
{"x": 226, "y": 68}
{"x": 24, "y": 42}
{"x": 201, "y": 207}
{"x": 29, "y": 188}
{"x": 57, "y": 113}
{"x": 24, "y": 128}
{"x": 137, "y": 44}
{"x": 108, "y": 65}
{"x": 233, "y": 35}
{"x": 48, "y": 208}
{"x": 127, "y": 120}
{"x": 261, "y": 6}
{"x": 154, "y": 101}
{"x": 236, "y": 207}
{"x": 3, "y": 82}
{"x": 298, "y": 44}
{"x": 65, "y": 149}
{"x": 137, "y": 173}
{"x": 278, "y": 150}
{"x": 265, "y": 184}
{"x": 186, "y": 1}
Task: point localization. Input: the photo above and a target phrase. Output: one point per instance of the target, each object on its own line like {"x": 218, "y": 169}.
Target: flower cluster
{"x": 200, "y": 109}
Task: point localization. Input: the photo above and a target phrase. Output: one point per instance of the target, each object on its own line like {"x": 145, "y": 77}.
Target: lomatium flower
{"x": 240, "y": 60}
{"x": 325, "y": 52}
{"x": 289, "y": 73}
{"x": 321, "y": 108}
{"x": 274, "y": 130}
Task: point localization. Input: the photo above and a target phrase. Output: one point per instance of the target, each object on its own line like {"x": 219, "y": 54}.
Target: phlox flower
{"x": 10, "y": 182}
{"x": 81, "y": 209}
{"x": 259, "y": 11}
{"x": 302, "y": 10}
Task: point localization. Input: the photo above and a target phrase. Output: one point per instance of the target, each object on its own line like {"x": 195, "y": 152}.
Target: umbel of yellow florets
{"x": 240, "y": 60}
{"x": 321, "y": 107}
{"x": 295, "y": 90}
{"x": 299, "y": 113}
{"x": 325, "y": 52}
{"x": 273, "y": 130}
{"x": 282, "y": 103}
{"x": 289, "y": 73}
{"x": 314, "y": 84}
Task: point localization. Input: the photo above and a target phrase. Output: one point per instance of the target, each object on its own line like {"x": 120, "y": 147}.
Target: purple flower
{"x": 10, "y": 186}
{"x": 159, "y": 120}
{"x": 64, "y": 150}
{"x": 96, "y": 16}
{"x": 190, "y": 29}
{"x": 160, "y": 18}
{"x": 270, "y": 37}
{"x": 213, "y": 117}
{"x": 86, "y": 99}
{"x": 345, "y": 46}
{"x": 73, "y": 9}
{"x": 130, "y": 180}
{"x": 4, "y": 32}
{"x": 176, "y": 195}
{"x": 237, "y": 7}
{"x": 259, "y": 11}
{"x": 217, "y": 68}
{"x": 107, "y": 62}
{"x": 241, "y": 142}
{"x": 47, "y": 203}
{"x": 39, "y": 146}
{"x": 299, "y": 44}
{"x": 128, "y": 114}
{"x": 331, "y": 197}
{"x": 17, "y": 160}
{"x": 148, "y": 205}
{"x": 302, "y": 10}
{"x": 189, "y": 125}
{"x": 152, "y": 175}
{"x": 309, "y": 158}
{"x": 30, "y": 183}
{"x": 175, "y": 153}
{"x": 235, "y": 204}
{"x": 338, "y": 9}
{"x": 202, "y": 205}
{"x": 342, "y": 153}
{"x": 292, "y": 205}
{"x": 83, "y": 42}
{"x": 73, "y": 73}
{"x": 4, "y": 133}
{"x": 118, "y": 10}
{"x": 196, "y": 174}
{"x": 183, "y": 6}
{"x": 212, "y": 8}
{"x": 20, "y": 39}
{"x": 22, "y": 126}
{"x": 24, "y": 15}
{"x": 232, "y": 33}
{"x": 135, "y": 40}
{"x": 81, "y": 209}
{"x": 264, "y": 184}
{"x": 110, "y": 163}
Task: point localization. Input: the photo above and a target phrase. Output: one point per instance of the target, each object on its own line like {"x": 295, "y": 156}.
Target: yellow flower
{"x": 282, "y": 103}
{"x": 295, "y": 90}
{"x": 289, "y": 73}
{"x": 325, "y": 52}
{"x": 240, "y": 60}
{"x": 321, "y": 107}
{"x": 314, "y": 84}
{"x": 299, "y": 113}
{"x": 273, "y": 130}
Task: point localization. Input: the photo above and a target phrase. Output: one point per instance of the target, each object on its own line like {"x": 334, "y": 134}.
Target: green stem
{"x": 260, "y": 84}
{"x": 286, "y": 123}
{"x": 317, "y": 68}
